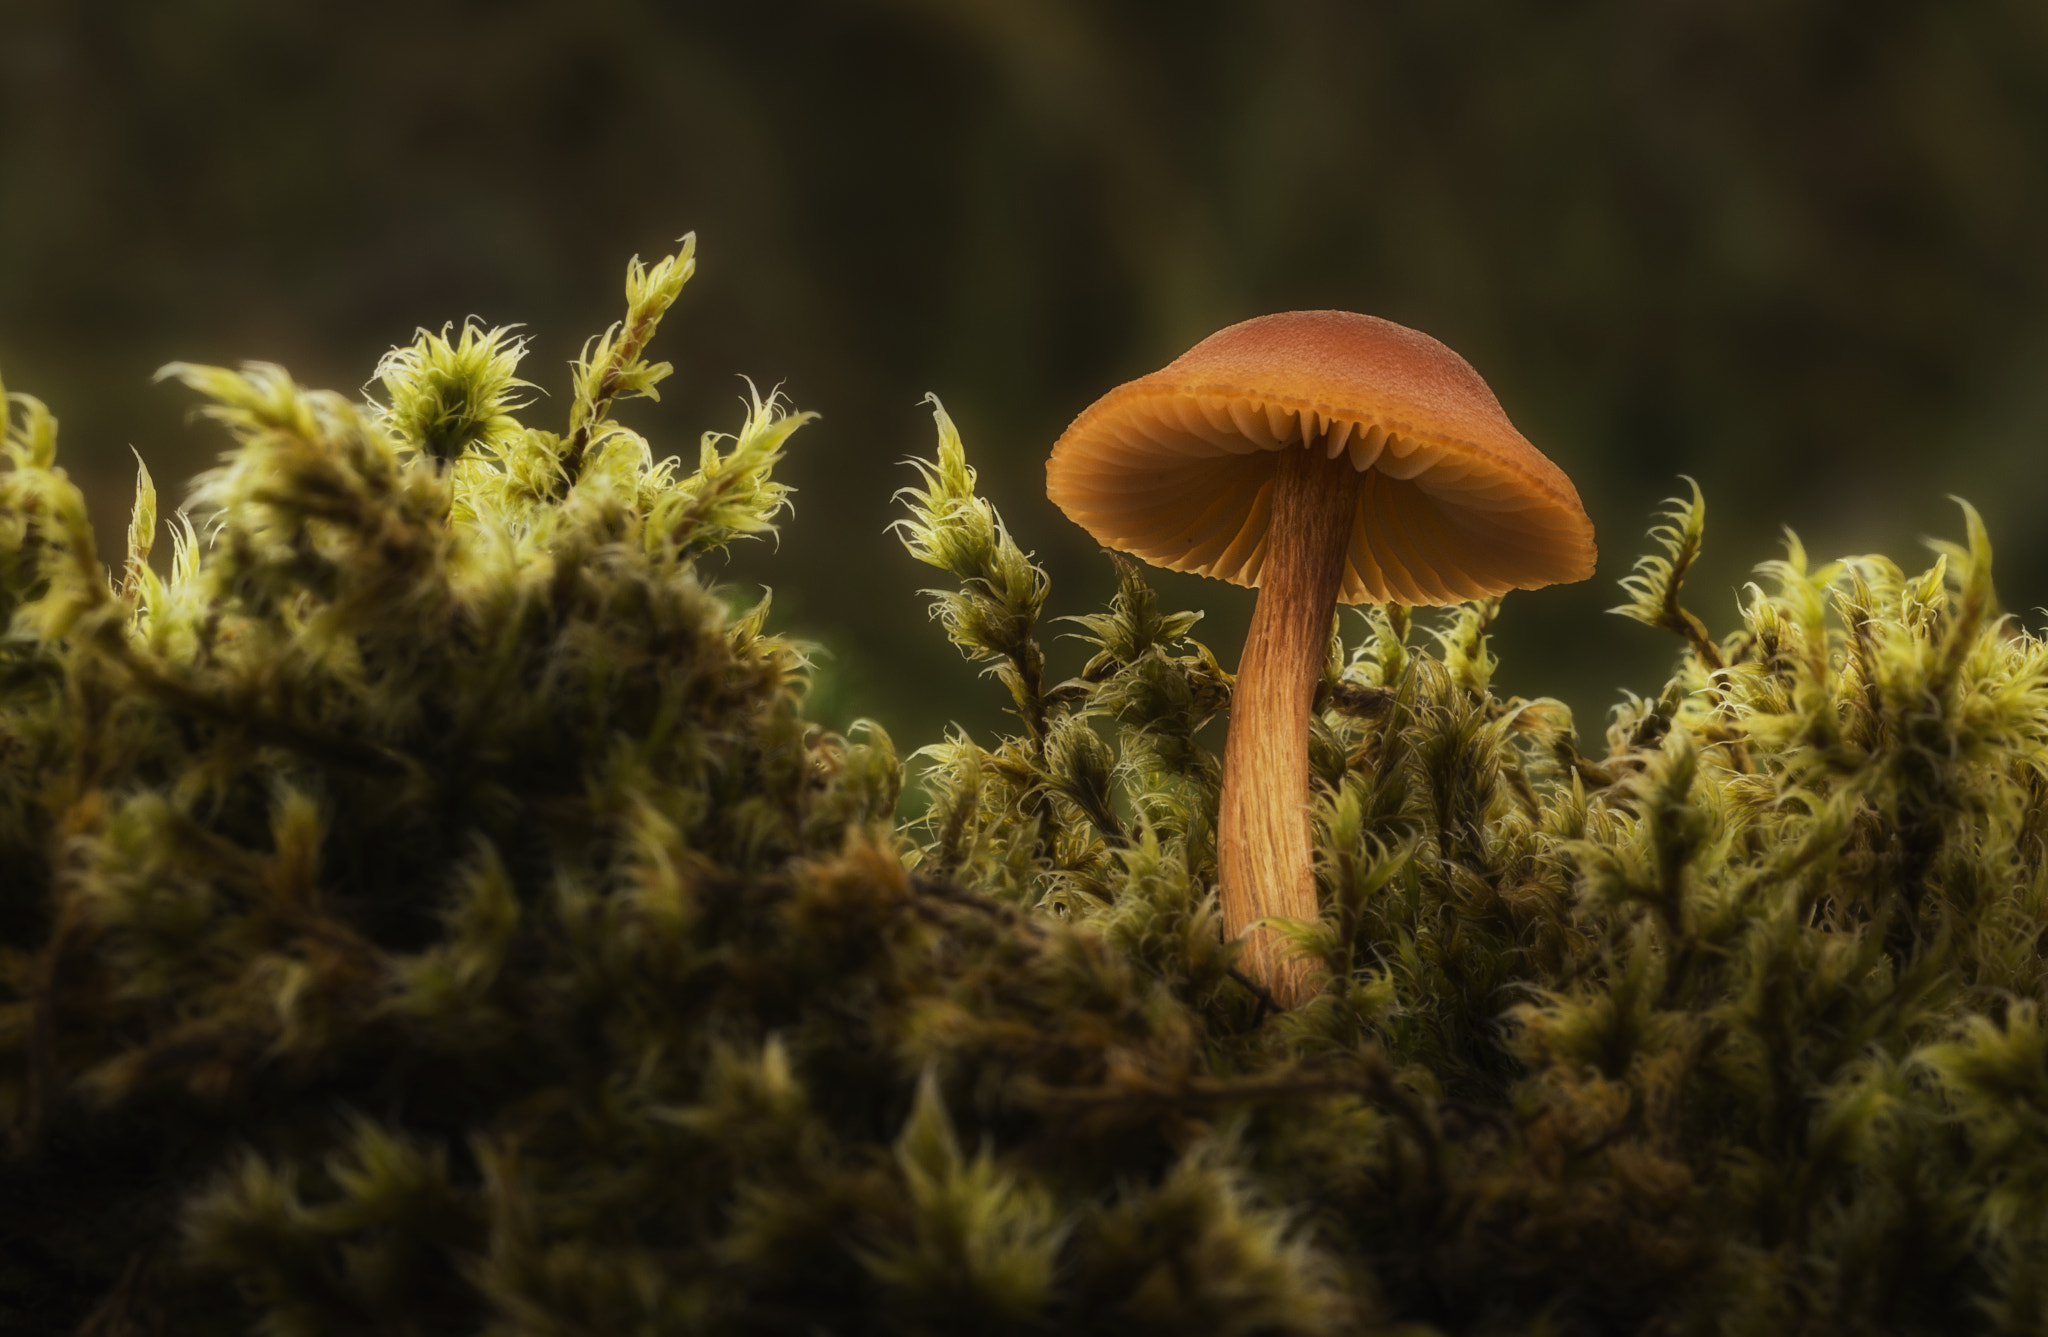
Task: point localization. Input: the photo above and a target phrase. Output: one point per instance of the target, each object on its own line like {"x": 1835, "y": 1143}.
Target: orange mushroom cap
{"x": 1177, "y": 467}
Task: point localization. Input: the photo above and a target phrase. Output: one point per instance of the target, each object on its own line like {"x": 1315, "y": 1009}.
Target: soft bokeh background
{"x": 1796, "y": 248}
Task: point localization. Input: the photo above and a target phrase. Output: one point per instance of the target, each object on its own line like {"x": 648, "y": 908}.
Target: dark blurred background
{"x": 1796, "y": 248}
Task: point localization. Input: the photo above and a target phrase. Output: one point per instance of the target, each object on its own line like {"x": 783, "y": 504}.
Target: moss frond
{"x": 1655, "y": 584}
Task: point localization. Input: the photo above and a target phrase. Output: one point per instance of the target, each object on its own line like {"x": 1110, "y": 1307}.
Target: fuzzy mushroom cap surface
{"x": 1177, "y": 467}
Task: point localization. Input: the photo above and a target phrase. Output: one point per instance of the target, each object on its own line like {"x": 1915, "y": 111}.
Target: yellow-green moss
{"x": 426, "y": 909}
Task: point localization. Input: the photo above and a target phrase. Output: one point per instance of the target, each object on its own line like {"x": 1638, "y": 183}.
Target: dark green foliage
{"x": 426, "y": 909}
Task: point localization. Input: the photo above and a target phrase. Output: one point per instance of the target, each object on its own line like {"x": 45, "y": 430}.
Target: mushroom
{"x": 1321, "y": 457}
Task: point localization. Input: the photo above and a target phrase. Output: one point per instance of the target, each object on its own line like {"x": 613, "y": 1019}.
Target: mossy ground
{"x": 427, "y": 909}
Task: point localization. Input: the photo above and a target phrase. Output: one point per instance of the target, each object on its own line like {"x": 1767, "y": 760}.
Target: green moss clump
{"x": 427, "y": 909}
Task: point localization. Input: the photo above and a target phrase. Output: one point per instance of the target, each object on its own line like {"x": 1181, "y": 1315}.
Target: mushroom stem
{"x": 1264, "y": 849}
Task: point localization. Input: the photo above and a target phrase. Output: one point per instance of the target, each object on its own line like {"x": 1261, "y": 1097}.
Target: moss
{"x": 428, "y": 909}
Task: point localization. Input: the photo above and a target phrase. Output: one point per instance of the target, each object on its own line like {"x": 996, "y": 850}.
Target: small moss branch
{"x": 611, "y": 366}
{"x": 1654, "y": 586}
